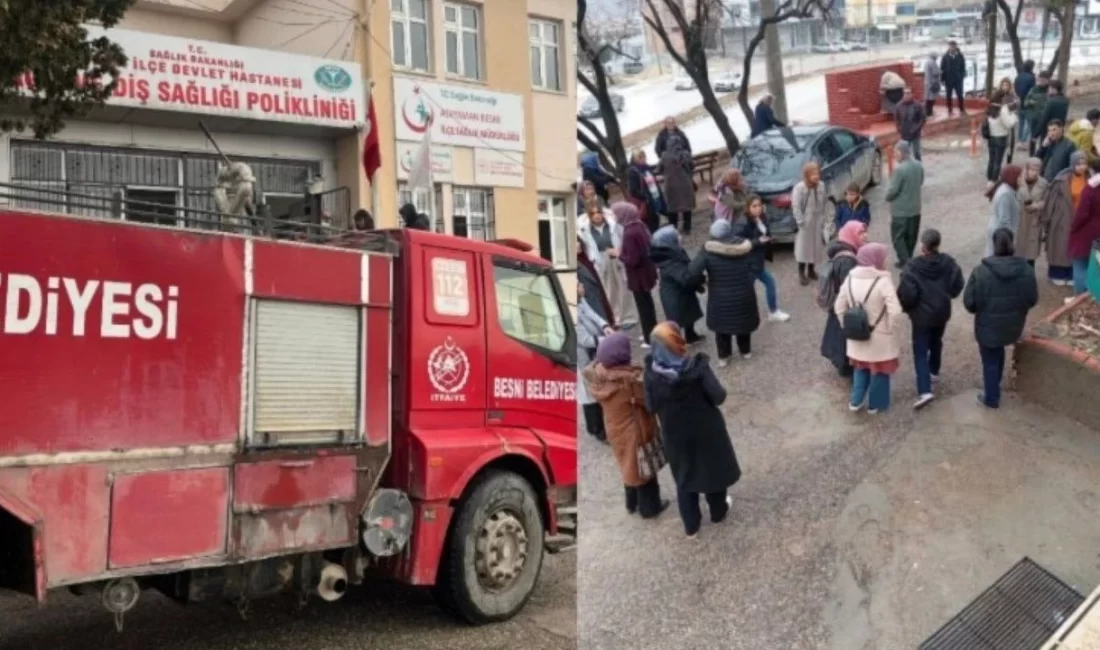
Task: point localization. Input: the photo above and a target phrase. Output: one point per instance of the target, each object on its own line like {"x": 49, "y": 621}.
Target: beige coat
{"x": 1056, "y": 219}
{"x": 1029, "y": 234}
{"x": 629, "y": 425}
{"x": 882, "y": 301}
{"x": 812, "y": 210}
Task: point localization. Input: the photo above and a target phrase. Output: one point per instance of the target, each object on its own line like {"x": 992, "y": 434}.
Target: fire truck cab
{"x": 221, "y": 416}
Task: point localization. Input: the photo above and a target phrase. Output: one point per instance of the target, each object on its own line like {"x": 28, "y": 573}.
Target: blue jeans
{"x": 765, "y": 276}
{"x": 1023, "y": 129}
{"x": 993, "y": 368}
{"x": 927, "y": 355}
{"x": 874, "y": 388}
{"x": 1080, "y": 275}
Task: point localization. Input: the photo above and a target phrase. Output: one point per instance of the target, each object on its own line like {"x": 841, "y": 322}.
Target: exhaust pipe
{"x": 333, "y": 584}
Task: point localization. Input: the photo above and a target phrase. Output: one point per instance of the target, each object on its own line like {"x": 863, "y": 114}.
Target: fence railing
{"x": 116, "y": 206}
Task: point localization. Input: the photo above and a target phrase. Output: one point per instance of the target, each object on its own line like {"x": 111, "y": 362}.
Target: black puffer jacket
{"x": 677, "y": 287}
{"x": 693, "y": 429}
{"x": 927, "y": 287}
{"x": 731, "y": 294}
{"x": 748, "y": 229}
{"x": 1000, "y": 292}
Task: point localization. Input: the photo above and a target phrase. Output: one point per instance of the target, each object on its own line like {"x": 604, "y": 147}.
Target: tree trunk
{"x": 776, "y": 86}
{"x": 746, "y": 69}
{"x": 721, "y": 120}
{"x": 1067, "y": 41}
{"x": 1012, "y": 29}
{"x": 990, "y": 52}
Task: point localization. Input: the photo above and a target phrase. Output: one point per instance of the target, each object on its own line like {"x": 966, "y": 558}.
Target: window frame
{"x": 543, "y": 45}
{"x": 405, "y": 17}
{"x": 434, "y": 210}
{"x": 567, "y": 356}
{"x": 488, "y": 215}
{"x": 458, "y": 29}
{"x": 552, "y": 219}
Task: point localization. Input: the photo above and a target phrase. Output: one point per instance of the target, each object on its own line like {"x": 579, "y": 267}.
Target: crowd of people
{"x": 667, "y": 409}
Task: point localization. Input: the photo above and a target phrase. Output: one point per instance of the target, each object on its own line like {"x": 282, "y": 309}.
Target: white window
{"x": 528, "y": 307}
{"x": 462, "y": 25}
{"x": 545, "y": 37}
{"x": 409, "y": 26}
{"x": 424, "y": 201}
{"x": 473, "y": 213}
{"x": 554, "y": 230}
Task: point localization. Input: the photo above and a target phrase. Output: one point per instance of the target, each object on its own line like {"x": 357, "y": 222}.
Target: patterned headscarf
{"x": 873, "y": 255}
{"x": 669, "y": 348}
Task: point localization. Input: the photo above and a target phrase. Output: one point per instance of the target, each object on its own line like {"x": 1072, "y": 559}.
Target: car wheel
{"x": 876, "y": 169}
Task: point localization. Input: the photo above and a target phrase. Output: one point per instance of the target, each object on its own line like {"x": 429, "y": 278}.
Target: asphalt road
{"x": 772, "y": 575}
{"x": 381, "y": 615}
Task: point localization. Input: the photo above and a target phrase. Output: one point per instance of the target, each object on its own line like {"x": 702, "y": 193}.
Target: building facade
{"x": 286, "y": 85}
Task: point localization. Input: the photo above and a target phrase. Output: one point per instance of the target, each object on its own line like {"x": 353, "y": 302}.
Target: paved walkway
{"x": 849, "y": 532}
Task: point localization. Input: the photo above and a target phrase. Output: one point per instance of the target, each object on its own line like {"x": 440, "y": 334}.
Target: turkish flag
{"x": 372, "y": 149}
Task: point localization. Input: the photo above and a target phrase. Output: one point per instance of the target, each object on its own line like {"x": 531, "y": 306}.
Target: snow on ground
{"x": 650, "y": 101}
{"x": 805, "y": 103}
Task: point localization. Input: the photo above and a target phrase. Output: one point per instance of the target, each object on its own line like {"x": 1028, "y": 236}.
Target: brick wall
{"x": 853, "y": 93}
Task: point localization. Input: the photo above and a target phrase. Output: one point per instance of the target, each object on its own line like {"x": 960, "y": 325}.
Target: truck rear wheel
{"x": 494, "y": 551}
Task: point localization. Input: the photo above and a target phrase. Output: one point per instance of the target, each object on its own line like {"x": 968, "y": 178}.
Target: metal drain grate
{"x": 1019, "y": 612}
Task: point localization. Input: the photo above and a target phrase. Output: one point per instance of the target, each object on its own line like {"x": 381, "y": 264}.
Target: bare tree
{"x": 1052, "y": 8}
{"x": 692, "y": 56}
{"x": 592, "y": 46}
{"x": 784, "y": 11}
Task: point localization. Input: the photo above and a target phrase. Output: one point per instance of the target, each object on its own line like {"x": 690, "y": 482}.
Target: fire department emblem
{"x": 448, "y": 367}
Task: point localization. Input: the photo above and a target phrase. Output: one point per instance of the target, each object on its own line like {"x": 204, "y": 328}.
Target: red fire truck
{"x": 224, "y": 416}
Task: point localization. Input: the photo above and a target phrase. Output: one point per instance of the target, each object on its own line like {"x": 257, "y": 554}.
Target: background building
{"x": 285, "y": 86}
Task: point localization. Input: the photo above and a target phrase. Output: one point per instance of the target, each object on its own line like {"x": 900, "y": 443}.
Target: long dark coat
{"x": 834, "y": 346}
{"x": 641, "y": 275}
{"x": 730, "y": 273}
{"x": 677, "y": 287}
{"x": 679, "y": 188}
{"x": 693, "y": 429}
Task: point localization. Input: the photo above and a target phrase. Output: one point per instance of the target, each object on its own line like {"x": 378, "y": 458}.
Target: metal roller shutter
{"x": 305, "y": 372}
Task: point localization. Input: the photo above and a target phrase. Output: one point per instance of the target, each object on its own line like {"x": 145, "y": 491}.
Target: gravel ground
{"x": 768, "y": 577}
{"x": 375, "y": 616}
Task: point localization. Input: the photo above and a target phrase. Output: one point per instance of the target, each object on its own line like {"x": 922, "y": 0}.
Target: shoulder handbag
{"x": 651, "y": 455}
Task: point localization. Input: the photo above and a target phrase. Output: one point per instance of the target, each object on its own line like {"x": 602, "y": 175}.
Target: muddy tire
{"x": 494, "y": 551}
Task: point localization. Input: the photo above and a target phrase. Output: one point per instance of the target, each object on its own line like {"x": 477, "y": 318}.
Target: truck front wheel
{"x": 494, "y": 551}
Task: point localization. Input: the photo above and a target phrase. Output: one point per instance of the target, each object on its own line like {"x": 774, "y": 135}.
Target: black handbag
{"x": 855, "y": 323}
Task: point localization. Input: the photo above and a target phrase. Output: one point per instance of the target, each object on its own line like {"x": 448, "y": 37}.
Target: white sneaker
{"x": 1069, "y": 300}
{"x": 779, "y": 316}
{"x": 747, "y": 356}
{"x": 872, "y": 411}
{"x": 722, "y": 363}
{"x": 923, "y": 400}
{"x": 855, "y": 408}
{"x": 645, "y": 346}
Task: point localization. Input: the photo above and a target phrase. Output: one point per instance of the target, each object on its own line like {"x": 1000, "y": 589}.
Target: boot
{"x": 802, "y": 279}
{"x": 812, "y": 273}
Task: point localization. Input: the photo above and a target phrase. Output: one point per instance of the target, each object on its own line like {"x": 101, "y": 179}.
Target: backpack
{"x": 855, "y": 323}
{"x": 985, "y": 129}
{"x": 826, "y": 290}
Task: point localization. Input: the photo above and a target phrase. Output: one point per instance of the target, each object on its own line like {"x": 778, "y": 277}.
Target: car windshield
{"x": 590, "y": 104}
{"x": 775, "y": 155}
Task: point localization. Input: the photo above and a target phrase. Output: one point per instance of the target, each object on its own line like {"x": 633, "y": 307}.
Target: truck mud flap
{"x": 566, "y": 539}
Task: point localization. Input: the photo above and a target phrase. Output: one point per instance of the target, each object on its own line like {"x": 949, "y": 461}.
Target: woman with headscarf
{"x": 685, "y": 395}
{"x": 641, "y": 274}
{"x": 810, "y": 203}
{"x": 727, "y": 265}
{"x": 1063, "y": 197}
{"x": 603, "y": 239}
{"x": 594, "y": 321}
{"x": 870, "y": 288}
{"x": 675, "y": 166}
{"x": 632, "y": 430}
{"x": 1006, "y": 205}
{"x": 730, "y": 196}
{"x": 677, "y": 288}
{"x": 842, "y": 259}
{"x": 1000, "y": 292}
{"x": 1031, "y": 192}
{"x": 642, "y": 186}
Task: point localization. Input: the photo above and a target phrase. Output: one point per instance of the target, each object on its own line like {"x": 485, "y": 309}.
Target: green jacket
{"x": 903, "y": 194}
{"x": 1034, "y": 105}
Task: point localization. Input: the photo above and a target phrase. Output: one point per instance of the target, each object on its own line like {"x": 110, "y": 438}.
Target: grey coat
{"x": 1006, "y": 214}
{"x": 1056, "y": 218}
{"x": 1029, "y": 234}
{"x": 812, "y": 210}
{"x": 679, "y": 189}
{"x": 931, "y": 75}
{"x": 589, "y": 332}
